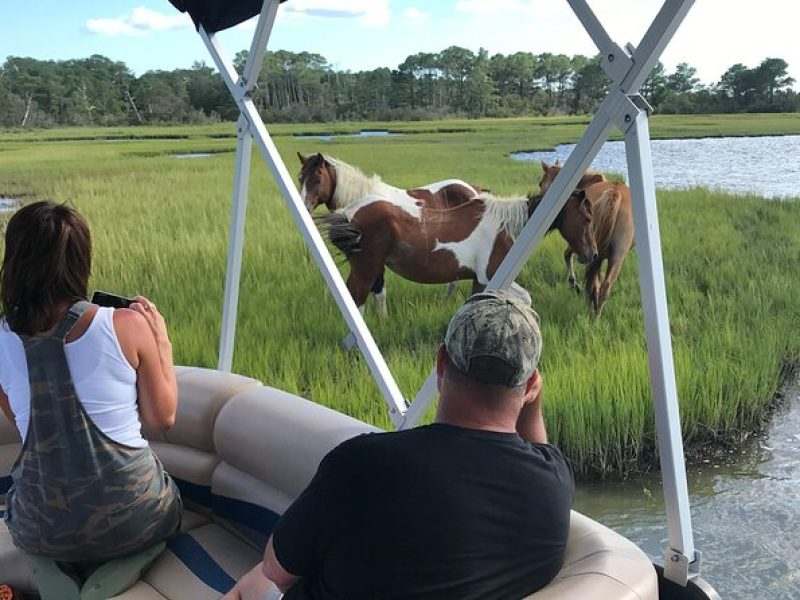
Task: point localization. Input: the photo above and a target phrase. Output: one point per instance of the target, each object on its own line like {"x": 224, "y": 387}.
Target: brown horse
{"x": 613, "y": 230}
{"x": 430, "y": 245}
{"x": 336, "y": 184}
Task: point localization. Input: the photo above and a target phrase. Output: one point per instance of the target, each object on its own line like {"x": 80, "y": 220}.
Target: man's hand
{"x": 253, "y": 586}
{"x": 530, "y": 423}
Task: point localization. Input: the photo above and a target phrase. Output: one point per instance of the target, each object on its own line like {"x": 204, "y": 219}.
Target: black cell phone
{"x": 112, "y": 300}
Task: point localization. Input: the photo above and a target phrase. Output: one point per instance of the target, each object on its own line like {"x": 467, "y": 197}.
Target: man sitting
{"x": 475, "y": 505}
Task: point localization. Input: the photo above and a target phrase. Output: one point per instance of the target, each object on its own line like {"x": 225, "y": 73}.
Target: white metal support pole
{"x": 625, "y": 109}
{"x": 258, "y": 47}
{"x": 244, "y": 151}
{"x": 681, "y": 559}
{"x": 240, "y": 90}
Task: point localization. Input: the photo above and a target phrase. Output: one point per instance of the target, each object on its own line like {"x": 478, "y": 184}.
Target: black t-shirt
{"x": 432, "y": 512}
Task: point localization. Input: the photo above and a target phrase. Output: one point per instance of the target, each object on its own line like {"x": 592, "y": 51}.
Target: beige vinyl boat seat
{"x": 241, "y": 452}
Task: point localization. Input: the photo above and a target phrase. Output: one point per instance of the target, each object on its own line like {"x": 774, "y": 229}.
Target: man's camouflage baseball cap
{"x": 500, "y": 325}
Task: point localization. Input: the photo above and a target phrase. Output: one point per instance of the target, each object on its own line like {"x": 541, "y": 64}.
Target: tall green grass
{"x": 160, "y": 228}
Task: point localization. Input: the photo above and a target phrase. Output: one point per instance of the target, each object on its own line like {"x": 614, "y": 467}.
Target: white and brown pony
{"x": 434, "y": 245}
{"x": 336, "y": 184}
{"x": 612, "y": 224}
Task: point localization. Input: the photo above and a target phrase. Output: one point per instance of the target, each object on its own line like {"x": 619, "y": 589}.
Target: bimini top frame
{"x": 623, "y": 108}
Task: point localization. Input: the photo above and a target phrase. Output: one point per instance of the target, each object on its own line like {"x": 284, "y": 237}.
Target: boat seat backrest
{"x": 247, "y": 485}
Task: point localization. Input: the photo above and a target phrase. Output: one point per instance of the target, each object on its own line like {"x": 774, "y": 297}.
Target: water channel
{"x": 767, "y": 166}
{"x": 745, "y": 511}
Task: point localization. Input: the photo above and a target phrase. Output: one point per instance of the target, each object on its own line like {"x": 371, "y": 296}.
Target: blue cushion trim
{"x": 5, "y": 484}
{"x": 199, "y": 562}
{"x": 194, "y": 492}
{"x": 252, "y": 515}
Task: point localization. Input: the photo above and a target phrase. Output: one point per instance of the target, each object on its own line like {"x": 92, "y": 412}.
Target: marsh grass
{"x": 160, "y": 227}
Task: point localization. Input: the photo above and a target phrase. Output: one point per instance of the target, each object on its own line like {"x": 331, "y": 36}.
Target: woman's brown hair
{"x": 48, "y": 258}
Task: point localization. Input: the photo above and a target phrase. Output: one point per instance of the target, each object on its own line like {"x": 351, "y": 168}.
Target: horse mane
{"x": 509, "y": 214}
{"x": 352, "y": 184}
{"x": 605, "y": 211}
{"x": 595, "y": 174}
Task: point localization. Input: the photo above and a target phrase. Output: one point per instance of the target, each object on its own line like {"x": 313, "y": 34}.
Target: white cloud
{"x": 414, "y": 14}
{"x": 139, "y": 21}
{"x": 370, "y": 13}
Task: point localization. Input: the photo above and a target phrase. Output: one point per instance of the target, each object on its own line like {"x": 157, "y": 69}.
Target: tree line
{"x": 304, "y": 87}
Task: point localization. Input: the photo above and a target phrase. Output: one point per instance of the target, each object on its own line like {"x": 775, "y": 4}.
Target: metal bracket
{"x": 678, "y": 568}
{"x": 623, "y": 110}
{"x": 642, "y": 104}
{"x": 246, "y": 90}
{"x": 616, "y": 62}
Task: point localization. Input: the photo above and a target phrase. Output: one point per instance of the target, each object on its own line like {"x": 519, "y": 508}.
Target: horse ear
{"x": 545, "y": 166}
{"x": 302, "y": 158}
{"x": 557, "y": 163}
{"x": 319, "y": 157}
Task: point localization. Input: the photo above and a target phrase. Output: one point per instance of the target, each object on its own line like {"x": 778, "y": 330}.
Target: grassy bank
{"x": 160, "y": 228}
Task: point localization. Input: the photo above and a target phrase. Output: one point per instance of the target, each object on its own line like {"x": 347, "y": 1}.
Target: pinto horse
{"x": 432, "y": 245}
{"x": 336, "y": 184}
{"x": 613, "y": 230}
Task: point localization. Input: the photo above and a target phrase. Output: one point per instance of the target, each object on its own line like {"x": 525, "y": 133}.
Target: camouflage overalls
{"x": 78, "y": 495}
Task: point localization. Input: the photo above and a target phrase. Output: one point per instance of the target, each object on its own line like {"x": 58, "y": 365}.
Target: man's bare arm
{"x": 274, "y": 571}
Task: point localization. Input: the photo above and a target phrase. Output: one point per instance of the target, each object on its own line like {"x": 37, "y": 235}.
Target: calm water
{"x": 193, "y": 155}
{"x": 366, "y": 133}
{"x": 745, "y": 512}
{"x": 767, "y": 166}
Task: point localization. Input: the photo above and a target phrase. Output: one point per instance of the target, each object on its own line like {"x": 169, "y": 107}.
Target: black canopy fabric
{"x": 216, "y": 15}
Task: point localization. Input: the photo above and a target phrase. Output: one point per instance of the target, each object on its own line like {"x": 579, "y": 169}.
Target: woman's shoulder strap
{"x": 69, "y": 320}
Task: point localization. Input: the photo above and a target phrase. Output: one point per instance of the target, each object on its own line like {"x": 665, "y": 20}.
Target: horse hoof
{"x": 349, "y": 342}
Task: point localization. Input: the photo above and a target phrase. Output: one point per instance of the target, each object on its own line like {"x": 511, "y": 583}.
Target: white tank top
{"x": 104, "y": 379}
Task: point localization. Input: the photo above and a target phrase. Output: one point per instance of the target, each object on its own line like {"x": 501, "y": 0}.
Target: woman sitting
{"x": 78, "y": 380}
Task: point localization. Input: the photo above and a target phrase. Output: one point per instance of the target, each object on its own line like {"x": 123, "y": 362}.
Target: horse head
{"x": 574, "y": 223}
{"x": 317, "y": 180}
{"x": 549, "y": 173}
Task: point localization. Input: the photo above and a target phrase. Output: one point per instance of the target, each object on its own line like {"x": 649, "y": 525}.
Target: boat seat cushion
{"x": 201, "y": 564}
{"x": 602, "y": 565}
{"x": 203, "y": 393}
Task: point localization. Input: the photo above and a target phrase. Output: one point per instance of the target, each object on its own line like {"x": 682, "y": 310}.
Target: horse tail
{"x": 341, "y": 232}
{"x": 605, "y": 211}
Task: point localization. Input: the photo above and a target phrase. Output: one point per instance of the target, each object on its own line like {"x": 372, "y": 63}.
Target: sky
{"x": 365, "y": 34}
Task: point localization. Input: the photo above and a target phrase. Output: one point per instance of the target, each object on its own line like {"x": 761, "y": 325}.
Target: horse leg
{"x": 614, "y": 267}
{"x": 379, "y": 291}
{"x": 359, "y": 286}
{"x": 573, "y": 283}
{"x": 477, "y": 287}
{"x": 450, "y": 290}
{"x": 591, "y": 282}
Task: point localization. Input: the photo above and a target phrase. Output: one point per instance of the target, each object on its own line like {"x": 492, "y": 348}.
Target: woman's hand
{"x": 154, "y": 319}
